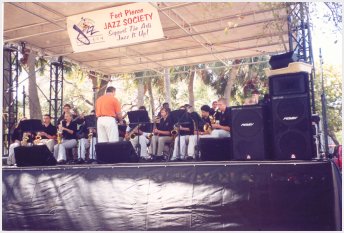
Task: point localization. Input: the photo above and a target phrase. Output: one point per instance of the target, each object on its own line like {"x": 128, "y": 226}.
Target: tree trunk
{"x": 190, "y": 88}
{"x": 34, "y": 105}
{"x": 151, "y": 98}
{"x": 103, "y": 84}
{"x": 93, "y": 77}
{"x": 140, "y": 93}
{"x": 230, "y": 81}
{"x": 167, "y": 85}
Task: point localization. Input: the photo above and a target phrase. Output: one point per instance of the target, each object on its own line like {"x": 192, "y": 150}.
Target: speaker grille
{"x": 292, "y": 145}
{"x": 288, "y": 84}
{"x": 248, "y": 123}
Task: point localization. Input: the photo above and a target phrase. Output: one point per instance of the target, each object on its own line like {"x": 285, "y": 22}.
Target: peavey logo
{"x": 290, "y": 118}
{"x": 247, "y": 124}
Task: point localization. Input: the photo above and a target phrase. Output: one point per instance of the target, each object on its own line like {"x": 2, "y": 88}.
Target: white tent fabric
{"x": 195, "y": 32}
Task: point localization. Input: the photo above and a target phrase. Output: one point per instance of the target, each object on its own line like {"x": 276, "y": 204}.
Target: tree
{"x": 333, "y": 91}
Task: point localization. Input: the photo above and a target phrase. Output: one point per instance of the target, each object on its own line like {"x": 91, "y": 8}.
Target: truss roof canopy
{"x": 195, "y": 33}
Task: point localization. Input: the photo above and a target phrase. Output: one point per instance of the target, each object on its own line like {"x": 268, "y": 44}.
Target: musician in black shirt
{"x": 48, "y": 134}
{"x": 162, "y": 134}
{"x": 222, "y": 128}
{"x": 68, "y": 129}
{"x": 181, "y": 139}
{"x": 205, "y": 113}
{"x": 16, "y": 138}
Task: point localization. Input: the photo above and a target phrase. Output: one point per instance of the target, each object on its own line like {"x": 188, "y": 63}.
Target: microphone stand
{"x": 179, "y": 124}
{"x": 324, "y": 104}
{"x": 197, "y": 150}
{"x": 138, "y": 145}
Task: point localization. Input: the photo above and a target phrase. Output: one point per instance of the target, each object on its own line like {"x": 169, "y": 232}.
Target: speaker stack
{"x": 290, "y": 116}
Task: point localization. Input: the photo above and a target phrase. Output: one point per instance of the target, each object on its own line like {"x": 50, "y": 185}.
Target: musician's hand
{"x": 156, "y": 131}
{"x": 216, "y": 126}
{"x": 43, "y": 133}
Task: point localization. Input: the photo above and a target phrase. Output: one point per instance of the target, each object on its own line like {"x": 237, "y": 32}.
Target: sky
{"x": 322, "y": 37}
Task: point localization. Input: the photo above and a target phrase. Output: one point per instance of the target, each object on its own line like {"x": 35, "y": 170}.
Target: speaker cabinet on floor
{"x": 248, "y": 133}
{"x": 215, "y": 149}
{"x": 291, "y": 127}
{"x": 33, "y": 156}
{"x": 116, "y": 152}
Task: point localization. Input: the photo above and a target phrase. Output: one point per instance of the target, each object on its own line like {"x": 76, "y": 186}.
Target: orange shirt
{"x": 107, "y": 105}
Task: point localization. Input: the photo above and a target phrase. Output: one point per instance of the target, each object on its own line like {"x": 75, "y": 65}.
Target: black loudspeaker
{"x": 291, "y": 127}
{"x": 248, "y": 132}
{"x": 215, "y": 149}
{"x": 116, "y": 152}
{"x": 289, "y": 84}
{"x": 282, "y": 60}
{"x": 34, "y": 156}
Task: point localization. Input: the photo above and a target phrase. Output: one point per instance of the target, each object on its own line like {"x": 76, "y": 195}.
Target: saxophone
{"x": 38, "y": 139}
{"x": 175, "y": 130}
{"x": 90, "y": 135}
{"x": 149, "y": 136}
{"x": 59, "y": 134}
{"x": 132, "y": 134}
{"x": 25, "y": 139}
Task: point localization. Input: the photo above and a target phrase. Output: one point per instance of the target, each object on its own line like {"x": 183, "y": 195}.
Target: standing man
{"x": 108, "y": 109}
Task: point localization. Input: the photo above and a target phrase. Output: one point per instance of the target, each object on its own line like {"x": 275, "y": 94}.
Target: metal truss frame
{"x": 10, "y": 94}
{"x": 56, "y": 89}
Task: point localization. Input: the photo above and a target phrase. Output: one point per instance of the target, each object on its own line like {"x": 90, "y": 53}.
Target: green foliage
{"x": 333, "y": 92}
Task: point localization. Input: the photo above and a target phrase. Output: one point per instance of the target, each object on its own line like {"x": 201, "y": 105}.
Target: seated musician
{"x": 48, "y": 134}
{"x": 162, "y": 134}
{"x": 181, "y": 139}
{"x": 140, "y": 141}
{"x": 222, "y": 127}
{"x": 205, "y": 113}
{"x": 17, "y": 139}
{"x": 87, "y": 139}
{"x": 68, "y": 129}
{"x": 66, "y": 108}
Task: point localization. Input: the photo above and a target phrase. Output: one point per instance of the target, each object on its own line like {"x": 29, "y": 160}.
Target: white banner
{"x": 115, "y": 26}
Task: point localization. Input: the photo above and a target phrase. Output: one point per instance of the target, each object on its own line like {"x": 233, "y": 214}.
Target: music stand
{"x": 90, "y": 122}
{"x": 31, "y": 125}
{"x": 138, "y": 117}
{"x": 197, "y": 119}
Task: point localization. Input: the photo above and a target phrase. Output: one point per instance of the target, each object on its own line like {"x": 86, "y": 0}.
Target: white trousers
{"x": 180, "y": 151}
{"x": 107, "y": 129}
{"x": 11, "y": 160}
{"x": 158, "y": 143}
{"x": 60, "y": 149}
{"x": 84, "y": 145}
{"x": 216, "y": 133}
{"x": 50, "y": 143}
{"x": 143, "y": 144}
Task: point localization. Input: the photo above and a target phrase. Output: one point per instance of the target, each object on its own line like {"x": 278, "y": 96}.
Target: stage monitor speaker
{"x": 34, "y": 156}
{"x": 116, "y": 152}
{"x": 291, "y": 127}
{"x": 215, "y": 149}
{"x": 248, "y": 132}
{"x": 288, "y": 84}
{"x": 282, "y": 60}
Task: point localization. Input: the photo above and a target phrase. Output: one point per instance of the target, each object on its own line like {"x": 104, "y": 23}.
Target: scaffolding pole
{"x": 56, "y": 90}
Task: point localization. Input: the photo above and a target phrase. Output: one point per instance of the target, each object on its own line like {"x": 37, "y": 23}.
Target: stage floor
{"x": 228, "y": 195}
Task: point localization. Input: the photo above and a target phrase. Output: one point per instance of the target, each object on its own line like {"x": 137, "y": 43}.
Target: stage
{"x": 231, "y": 195}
